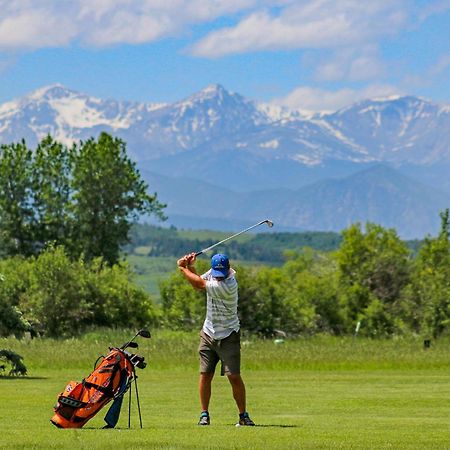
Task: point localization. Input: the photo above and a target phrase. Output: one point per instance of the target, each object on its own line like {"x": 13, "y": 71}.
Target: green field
{"x": 321, "y": 392}
{"x": 149, "y": 271}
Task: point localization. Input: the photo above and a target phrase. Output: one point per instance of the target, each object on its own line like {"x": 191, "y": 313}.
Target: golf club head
{"x": 144, "y": 333}
{"x": 133, "y": 344}
{"x": 269, "y": 223}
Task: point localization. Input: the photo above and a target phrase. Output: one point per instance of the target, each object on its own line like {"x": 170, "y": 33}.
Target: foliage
{"x": 373, "y": 269}
{"x": 84, "y": 198}
{"x": 56, "y": 296}
{"x": 15, "y": 361}
{"x": 372, "y": 278}
{"x": 183, "y": 307}
{"x": 108, "y": 194}
{"x": 14, "y": 283}
{"x": 16, "y": 211}
{"x": 51, "y": 193}
{"x": 429, "y": 292}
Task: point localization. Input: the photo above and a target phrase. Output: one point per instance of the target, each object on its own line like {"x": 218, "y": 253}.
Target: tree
{"x": 373, "y": 269}
{"x": 183, "y": 307}
{"x": 16, "y": 211}
{"x": 51, "y": 173}
{"x": 108, "y": 194}
{"x": 430, "y": 289}
{"x": 311, "y": 297}
{"x": 14, "y": 282}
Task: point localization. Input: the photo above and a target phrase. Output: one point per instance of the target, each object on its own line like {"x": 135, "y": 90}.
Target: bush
{"x": 58, "y": 297}
{"x": 14, "y": 282}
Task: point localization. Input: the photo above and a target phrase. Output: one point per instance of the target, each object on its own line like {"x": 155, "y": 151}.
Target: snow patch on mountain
{"x": 76, "y": 113}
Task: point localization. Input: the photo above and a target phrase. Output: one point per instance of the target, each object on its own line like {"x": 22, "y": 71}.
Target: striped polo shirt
{"x": 221, "y": 305}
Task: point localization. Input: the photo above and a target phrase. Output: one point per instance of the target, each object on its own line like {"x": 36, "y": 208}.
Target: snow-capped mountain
{"x": 399, "y": 130}
{"x": 66, "y": 115}
{"x": 222, "y": 138}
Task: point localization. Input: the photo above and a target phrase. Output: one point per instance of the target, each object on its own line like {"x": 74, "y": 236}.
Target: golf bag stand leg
{"x": 137, "y": 397}
{"x": 129, "y": 409}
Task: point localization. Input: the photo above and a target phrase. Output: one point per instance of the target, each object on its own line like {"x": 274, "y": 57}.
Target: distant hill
{"x": 379, "y": 194}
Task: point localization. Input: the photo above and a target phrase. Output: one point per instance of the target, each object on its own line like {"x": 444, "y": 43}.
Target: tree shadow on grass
{"x": 11, "y": 377}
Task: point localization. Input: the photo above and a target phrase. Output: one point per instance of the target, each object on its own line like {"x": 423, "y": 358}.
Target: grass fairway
{"x": 312, "y": 393}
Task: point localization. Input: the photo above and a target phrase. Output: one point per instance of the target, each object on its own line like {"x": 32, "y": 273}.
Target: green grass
{"x": 149, "y": 271}
{"x": 321, "y": 392}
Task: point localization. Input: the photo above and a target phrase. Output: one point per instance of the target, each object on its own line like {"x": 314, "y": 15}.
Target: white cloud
{"x": 32, "y": 29}
{"x": 315, "y": 99}
{"x": 312, "y": 24}
{"x": 262, "y": 24}
{"x": 26, "y": 24}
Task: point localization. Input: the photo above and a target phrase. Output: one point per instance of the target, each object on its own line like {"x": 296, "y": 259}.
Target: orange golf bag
{"x": 109, "y": 381}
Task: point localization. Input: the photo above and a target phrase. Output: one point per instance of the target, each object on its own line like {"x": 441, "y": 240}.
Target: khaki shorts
{"x": 227, "y": 350}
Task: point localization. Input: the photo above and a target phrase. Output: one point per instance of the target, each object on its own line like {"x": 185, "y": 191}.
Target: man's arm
{"x": 186, "y": 265}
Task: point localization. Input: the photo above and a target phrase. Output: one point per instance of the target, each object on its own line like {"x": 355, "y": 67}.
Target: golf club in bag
{"x": 267, "y": 221}
{"x": 111, "y": 378}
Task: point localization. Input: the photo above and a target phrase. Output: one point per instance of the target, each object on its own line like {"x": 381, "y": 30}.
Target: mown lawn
{"x": 311, "y": 393}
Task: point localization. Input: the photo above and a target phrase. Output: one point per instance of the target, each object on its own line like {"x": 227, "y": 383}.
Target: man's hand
{"x": 182, "y": 262}
{"x": 191, "y": 259}
{"x": 186, "y": 265}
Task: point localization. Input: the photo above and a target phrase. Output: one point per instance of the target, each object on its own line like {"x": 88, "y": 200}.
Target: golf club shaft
{"x": 233, "y": 236}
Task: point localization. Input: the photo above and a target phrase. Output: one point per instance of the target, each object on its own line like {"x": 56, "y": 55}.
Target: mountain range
{"x": 220, "y": 160}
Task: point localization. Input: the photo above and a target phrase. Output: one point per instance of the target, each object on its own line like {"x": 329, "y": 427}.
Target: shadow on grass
{"x": 10, "y": 377}
{"x": 275, "y": 426}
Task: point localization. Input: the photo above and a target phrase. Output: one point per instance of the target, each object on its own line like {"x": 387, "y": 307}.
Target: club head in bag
{"x": 144, "y": 333}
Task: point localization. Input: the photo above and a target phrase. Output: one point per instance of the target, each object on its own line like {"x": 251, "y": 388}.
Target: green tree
{"x": 263, "y": 306}
{"x": 57, "y": 299}
{"x": 16, "y": 211}
{"x": 14, "y": 282}
{"x": 109, "y": 194}
{"x": 312, "y": 295}
{"x": 61, "y": 296}
{"x": 430, "y": 288}
{"x": 183, "y": 307}
{"x": 373, "y": 270}
{"x": 51, "y": 172}
{"x": 115, "y": 300}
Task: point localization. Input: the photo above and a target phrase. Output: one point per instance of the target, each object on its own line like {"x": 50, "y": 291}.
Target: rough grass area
{"x": 312, "y": 393}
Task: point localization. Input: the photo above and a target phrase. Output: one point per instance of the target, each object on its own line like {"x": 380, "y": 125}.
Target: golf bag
{"x": 109, "y": 381}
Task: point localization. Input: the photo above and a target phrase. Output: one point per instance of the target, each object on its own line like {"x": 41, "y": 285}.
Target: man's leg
{"x": 204, "y": 387}
{"x": 238, "y": 387}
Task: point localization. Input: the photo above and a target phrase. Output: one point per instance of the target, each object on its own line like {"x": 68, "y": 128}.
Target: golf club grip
{"x": 199, "y": 253}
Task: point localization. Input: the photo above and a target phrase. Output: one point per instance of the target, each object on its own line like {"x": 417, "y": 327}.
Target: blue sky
{"x": 314, "y": 55}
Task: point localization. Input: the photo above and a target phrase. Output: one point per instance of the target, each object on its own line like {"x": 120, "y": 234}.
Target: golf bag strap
{"x": 105, "y": 390}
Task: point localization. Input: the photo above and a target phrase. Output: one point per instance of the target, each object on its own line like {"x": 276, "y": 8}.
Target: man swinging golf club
{"x": 220, "y": 335}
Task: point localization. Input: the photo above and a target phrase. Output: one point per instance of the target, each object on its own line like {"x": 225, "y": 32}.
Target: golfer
{"x": 220, "y": 335}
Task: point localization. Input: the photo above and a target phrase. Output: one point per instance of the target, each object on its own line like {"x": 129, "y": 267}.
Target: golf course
{"x": 318, "y": 392}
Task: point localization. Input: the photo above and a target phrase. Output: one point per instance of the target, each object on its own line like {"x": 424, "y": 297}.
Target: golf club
{"x": 267, "y": 221}
{"x": 142, "y": 333}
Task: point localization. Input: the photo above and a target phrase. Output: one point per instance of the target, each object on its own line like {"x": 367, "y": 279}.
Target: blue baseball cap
{"x": 220, "y": 265}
